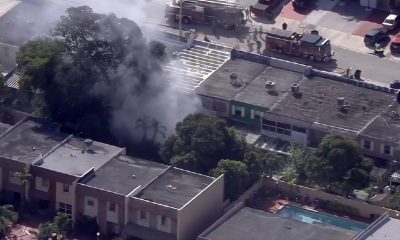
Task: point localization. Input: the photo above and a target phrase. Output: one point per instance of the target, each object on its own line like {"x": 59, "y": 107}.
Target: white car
{"x": 391, "y": 21}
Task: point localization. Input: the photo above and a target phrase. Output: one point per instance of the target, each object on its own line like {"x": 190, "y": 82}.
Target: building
{"x": 381, "y": 4}
{"x": 384, "y": 228}
{"x": 298, "y": 104}
{"x": 247, "y": 223}
{"x": 125, "y": 195}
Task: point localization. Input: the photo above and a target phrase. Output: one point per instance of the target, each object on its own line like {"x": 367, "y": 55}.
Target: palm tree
{"x": 7, "y": 218}
{"x": 25, "y": 178}
{"x": 158, "y": 129}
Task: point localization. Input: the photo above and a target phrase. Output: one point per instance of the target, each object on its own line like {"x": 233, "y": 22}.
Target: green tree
{"x": 46, "y": 230}
{"x": 25, "y": 178}
{"x": 63, "y": 222}
{"x": 236, "y": 177}
{"x": 200, "y": 142}
{"x": 338, "y": 163}
{"x": 7, "y": 218}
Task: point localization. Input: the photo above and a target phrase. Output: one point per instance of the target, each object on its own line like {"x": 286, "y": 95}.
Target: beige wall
{"x": 365, "y": 209}
{"x": 8, "y": 55}
{"x": 39, "y": 184}
{"x": 201, "y": 211}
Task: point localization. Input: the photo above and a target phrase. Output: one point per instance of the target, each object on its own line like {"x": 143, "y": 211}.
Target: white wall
{"x": 39, "y": 184}
{"x": 8, "y": 55}
{"x": 90, "y": 210}
{"x": 112, "y": 216}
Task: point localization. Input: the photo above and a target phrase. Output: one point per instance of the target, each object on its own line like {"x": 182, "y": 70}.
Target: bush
{"x": 339, "y": 208}
{"x": 87, "y": 225}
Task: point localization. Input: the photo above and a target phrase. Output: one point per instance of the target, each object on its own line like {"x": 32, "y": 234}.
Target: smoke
{"x": 159, "y": 104}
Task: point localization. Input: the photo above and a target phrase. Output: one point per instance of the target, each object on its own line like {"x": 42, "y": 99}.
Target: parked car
{"x": 301, "y": 4}
{"x": 376, "y": 36}
{"x": 391, "y": 21}
{"x": 395, "y": 44}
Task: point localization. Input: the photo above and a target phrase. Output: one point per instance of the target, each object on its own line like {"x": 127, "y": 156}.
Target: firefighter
{"x": 284, "y": 26}
{"x": 247, "y": 11}
{"x": 258, "y": 43}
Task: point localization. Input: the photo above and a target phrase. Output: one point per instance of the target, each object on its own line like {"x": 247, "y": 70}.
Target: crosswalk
{"x": 193, "y": 66}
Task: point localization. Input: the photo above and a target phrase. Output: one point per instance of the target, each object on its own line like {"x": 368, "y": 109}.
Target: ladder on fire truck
{"x": 214, "y": 3}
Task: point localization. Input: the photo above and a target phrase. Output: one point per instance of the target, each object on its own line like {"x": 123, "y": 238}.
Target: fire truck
{"x": 225, "y": 14}
{"x": 266, "y": 8}
{"x": 311, "y": 46}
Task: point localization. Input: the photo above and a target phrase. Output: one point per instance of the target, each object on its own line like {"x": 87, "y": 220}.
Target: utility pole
{"x": 180, "y": 17}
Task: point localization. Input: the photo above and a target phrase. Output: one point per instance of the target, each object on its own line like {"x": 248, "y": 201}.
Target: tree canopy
{"x": 77, "y": 74}
{"x": 7, "y": 218}
{"x": 200, "y": 142}
{"x": 338, "y": 162}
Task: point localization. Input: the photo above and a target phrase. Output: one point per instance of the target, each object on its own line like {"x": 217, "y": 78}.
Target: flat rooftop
{"x": 30, "y": 139}
{"x": 73, "y": 158}
{"x": 124, "y": 174}
{"x": 386, "y": 126}
{"x": 385, "y": 230}
{"x": 255, "y": 93}
{"x": 20, "y": 21}
{"x": 4, "y": 127}
{"x": 220, "y": 85}
{"x": 252, "y": 224}
{"x": 175, "y": 187}
{"x": 318, "y": 104}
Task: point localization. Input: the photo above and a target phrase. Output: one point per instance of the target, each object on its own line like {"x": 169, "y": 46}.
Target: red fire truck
{"x": 266, "y": 8}
{"x": 310, "y": 46}
{"x": 224, "y": 14}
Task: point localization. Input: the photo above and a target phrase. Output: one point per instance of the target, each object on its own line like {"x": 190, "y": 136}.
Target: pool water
{"x": 308, "y": 216}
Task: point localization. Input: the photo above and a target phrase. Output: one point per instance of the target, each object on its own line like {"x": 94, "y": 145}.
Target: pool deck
{"x": 273, "y": 205}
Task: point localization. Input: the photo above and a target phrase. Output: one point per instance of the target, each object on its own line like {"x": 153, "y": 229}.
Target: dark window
{"x": 163, "y": 220}
{"x": 219, "y": 106}
{"x": 267, "y": 122}
{"x": 367, "y": 144}
{"x": 90, "y": 203}
{"x": 112, "y": 207}
{"x": 283, "y": 125}
{"x": 387, "y": 150}
{"x": 299, "y": 129}
{"x": 65, "y": 188}
{"x": 45, "y": 182}
{"x": 238, "y": 112}
{"x": 65, "y": 208}
{"x": 142, "y": 214}
{"x": 283, "y": 131}
{"x": 269, "y": 128}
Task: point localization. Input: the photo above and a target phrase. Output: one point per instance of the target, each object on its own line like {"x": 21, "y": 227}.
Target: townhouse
{"x": 125, "y": 195}
{"x": 298, "y": 104}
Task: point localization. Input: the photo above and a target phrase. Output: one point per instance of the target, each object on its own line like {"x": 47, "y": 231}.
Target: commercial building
{"x": 125, "y": 195}
{"x": 298, "y": 104}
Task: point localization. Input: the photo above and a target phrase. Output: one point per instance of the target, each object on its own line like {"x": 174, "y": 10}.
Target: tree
{"x": 338, "y": 162}
{"x": 79, "y": 75}
{"x": 46, "y": 230}
{"x": 25, "y": 178}
{"x": 236, "y": 177}
{"x": 63, "y": 222}
{"x": 200, "y": 142}
{"x": 4, "y": 90}
{"x": 7, "y": 218}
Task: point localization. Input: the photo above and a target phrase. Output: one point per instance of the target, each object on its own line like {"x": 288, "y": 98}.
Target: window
{"x": 142, "y": 214}
{"x": 367, "y": 144}
{"x": 44, "y": 182}
{"x": 387, "y": 150}
{"x": 269, "y": 128}
{"x": 163, "y": 220}
{"x": 283, "y": 131}
{"x": 270, "y": 123}
{"x": 283, "y": 125}
{"x": 65, "y": 188}
{"x": 299, "y": 129}
{"x": 65, "y": 208}
{"x": 90, "y": 202}
{"x": 257, "y": 115}
{"x": 6, "y": 51}
{"x": 112, "y": 207}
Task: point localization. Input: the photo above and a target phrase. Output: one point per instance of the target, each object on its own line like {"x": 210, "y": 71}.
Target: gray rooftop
{"x": 318, "y": 103}
{"x": 29, "y": 140}
{"x": 71, "y": 158}
{"x": 175, "y": 187}
{"x": 385, "y": 230}
{"x": 219, "y": 85}
{"x": 124, "y": 174}
{"x": 27, "y": 20}
{"x": 385, "y": 127}
{"x": 256, "y": 94}
{"x": 4, "y": 127}
{"x": 252, "y": 224}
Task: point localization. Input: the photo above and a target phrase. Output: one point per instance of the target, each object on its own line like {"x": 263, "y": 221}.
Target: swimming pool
{"x": 308, "y": 216}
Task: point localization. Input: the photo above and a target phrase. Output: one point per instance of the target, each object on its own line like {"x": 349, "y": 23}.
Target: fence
{"x": 364, "y": 209}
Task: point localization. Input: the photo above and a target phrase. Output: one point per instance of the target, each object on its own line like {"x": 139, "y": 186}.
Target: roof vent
{"x": 88, "y": 143}
{"x": 295, "y": 88}
{"x": 171, "y": 187}
{"x": 233, "y": 76}
{"x": 340, "y": 101}
{"x": 270, "y": 84}
{"x": 133, "y": 176}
